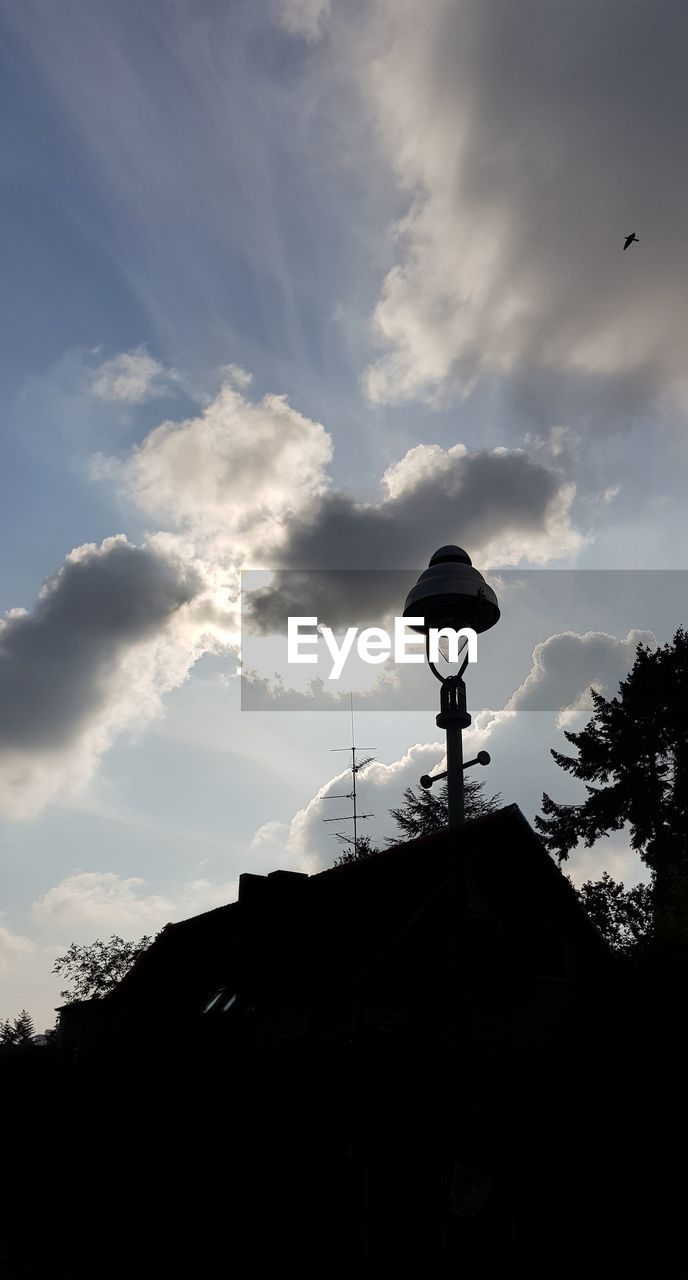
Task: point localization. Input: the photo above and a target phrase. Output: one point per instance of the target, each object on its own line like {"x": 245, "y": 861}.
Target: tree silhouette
{"x": 95, "y": 969}
{"x": 426, "y": 811}
{"x": 422, "y": 813}
{"x": 623, "y": 916}
{"x": 24, "y": 1030}
{"x": 635, "y": 749}
{"x": 7, "y": 1032}
{"x": 364, "y": 848}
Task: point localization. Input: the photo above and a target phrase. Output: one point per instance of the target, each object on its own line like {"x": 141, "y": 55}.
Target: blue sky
{"x": 309, "y": 284}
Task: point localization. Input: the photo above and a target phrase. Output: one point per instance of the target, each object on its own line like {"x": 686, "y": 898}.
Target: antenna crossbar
{"x": 354, "y": 768}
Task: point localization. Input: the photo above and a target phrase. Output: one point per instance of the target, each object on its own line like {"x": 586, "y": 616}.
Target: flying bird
{"x": 630, "y": 239}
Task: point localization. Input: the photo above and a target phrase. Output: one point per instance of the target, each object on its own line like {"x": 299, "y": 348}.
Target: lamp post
{"x": 451, "y": 593}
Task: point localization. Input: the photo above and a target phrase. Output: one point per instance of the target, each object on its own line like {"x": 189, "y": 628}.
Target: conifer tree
{"x": 7, "y": 1033}
{"x": 422, "y": 813}
{"x": 633, "y": 759}
{"x": 426, "y": 811}
{"x": 24, "y": 1030}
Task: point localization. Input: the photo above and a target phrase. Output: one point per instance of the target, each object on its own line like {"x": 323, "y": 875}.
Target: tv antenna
{"x": 355, "y": 768}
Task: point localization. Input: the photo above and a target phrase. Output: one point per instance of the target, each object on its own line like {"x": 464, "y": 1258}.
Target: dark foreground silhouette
{"x": 378, "y": 1070}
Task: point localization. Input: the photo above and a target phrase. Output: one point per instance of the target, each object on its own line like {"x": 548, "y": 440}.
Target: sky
{"x": 291, "y": 289}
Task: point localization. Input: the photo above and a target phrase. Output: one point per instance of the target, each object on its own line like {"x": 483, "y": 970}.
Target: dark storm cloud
{"x": 477, "y": 498}
{"x": 500, "y": 505}
{"x": 56, "y": 663}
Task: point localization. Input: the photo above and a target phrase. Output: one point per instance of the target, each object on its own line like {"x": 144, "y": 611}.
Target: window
{"x": 221, "y": 1001}
{"x": 214, "y": 1000}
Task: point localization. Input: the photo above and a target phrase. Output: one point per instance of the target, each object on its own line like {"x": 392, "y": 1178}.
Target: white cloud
{"x": 526, "y": 161}
{"x": 230, "y": 478}
{"x": 93, "y": 904}
{"x": 270, "y": 833}
{"x": 13, "y": 949}
{"x": 381, "y": 786}
{"x": 566, "y": 665}
{"x": 237, "y": 375}
{"x": 563, "y": 668}
{"x": 132, "y": 376}
{"x": 247, "y": 482}
{"x": 305, "y": 18}
{"x": 608, "y": 495}
{"x": 612, "y": 854}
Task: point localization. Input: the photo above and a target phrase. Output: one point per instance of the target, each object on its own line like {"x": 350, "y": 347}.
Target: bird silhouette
{"x": 630, "y": 239}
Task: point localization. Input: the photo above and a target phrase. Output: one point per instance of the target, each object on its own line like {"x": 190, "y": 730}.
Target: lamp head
{"x": 451, "y": 593}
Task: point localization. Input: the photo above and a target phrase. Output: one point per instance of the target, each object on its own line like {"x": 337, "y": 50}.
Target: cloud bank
{"x": 244, "y": 481}
{"x": 500, "y": 504}
{"x": 91, "y": 904}
{"x": 567, "y": 665}
{"x": 115, "y": 628}
{"x": 247, "y": 482}
{"x": 563, "y": 669}
{"x": 530, "y": 139}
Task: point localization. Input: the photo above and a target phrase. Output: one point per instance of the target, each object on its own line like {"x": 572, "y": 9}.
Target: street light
{"x": 451, "y": 593}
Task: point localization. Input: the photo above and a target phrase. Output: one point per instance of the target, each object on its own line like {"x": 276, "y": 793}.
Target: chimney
{"x": 270, "y": 890}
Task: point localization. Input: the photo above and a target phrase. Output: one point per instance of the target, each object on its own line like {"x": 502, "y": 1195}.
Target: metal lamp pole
{"x": 454, "y": 718}
{"x": 452, "y": 592}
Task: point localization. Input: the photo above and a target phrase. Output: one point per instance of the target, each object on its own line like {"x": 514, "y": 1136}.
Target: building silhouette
{"x": 337, "y": 1073}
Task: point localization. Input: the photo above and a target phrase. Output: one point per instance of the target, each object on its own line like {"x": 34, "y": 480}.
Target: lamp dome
{"x": 451, "y": 593}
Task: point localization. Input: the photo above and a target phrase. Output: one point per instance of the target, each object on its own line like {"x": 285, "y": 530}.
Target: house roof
{"x": 290, "y": 936}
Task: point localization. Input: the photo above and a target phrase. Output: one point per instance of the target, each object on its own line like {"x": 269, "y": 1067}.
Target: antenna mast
{"x": 356, "y": 766}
